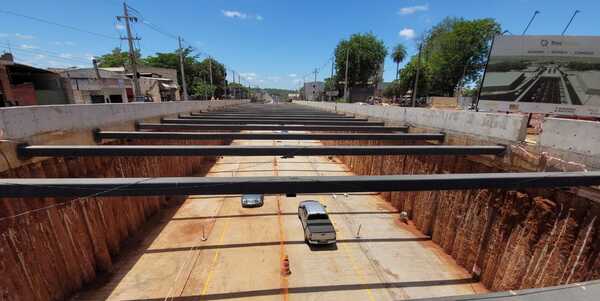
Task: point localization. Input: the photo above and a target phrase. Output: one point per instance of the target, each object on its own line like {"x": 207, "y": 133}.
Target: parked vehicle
{"x": 318, "y": 229}
{"x": 252, "y": 200}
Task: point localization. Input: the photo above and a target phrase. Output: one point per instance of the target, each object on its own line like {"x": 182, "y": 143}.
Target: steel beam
{"x": 263, "y": 117}
{"x": 100, "y": 135}
{"x": 258, "y": 114}
{"x": 277, "y": 121}
{"x": 231, "y": 127}
{"x": 248, "y": 151}
{"x": 81, "y": 187}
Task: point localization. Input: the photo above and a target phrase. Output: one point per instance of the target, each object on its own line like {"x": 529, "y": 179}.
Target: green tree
{"x": 170, "y": 60}
{"x": 219, "y": 74}
{"x": 116, "y": 58}
{"x": 455, "y": 51}
{"x": 407, "y": 78}
{"x": 202, "y": 90}
{"x": 366, "y": 54}
{"x": 398, "y": 55}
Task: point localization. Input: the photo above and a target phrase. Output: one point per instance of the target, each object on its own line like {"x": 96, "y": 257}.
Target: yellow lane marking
{"x": 357, "y": 270}
{"x": 215, "y": 258}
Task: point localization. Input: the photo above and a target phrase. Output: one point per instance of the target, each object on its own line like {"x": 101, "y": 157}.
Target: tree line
{"x": 452, "y": 57}
{"x": 197, "y": 71}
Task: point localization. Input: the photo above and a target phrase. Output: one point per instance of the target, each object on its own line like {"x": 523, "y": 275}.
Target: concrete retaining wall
{"x": 579, "y": 136}
{"x": 506, "y": 127}
{"x": 18, "y": 123}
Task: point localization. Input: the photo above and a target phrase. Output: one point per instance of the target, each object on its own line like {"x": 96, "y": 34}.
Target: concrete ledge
{"x": 578, "y": 136}
{"x": 17, "y": 123}
{"x": 506, "y": 127}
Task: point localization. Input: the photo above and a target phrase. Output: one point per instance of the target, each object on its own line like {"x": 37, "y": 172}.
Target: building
{"x": 23, "y": 85}
{"x": 313, "y": 91}
{"x": 88, "y": 85}
{"x": 157, "y": 84}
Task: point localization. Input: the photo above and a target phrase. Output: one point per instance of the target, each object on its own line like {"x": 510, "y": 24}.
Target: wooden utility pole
{"x": 212, "y": 91}
{"x": 346, "y": 80}
{"x": 181, "y": 64}
{"x": 132, "y": 59}
{"x": 416, "y": 86}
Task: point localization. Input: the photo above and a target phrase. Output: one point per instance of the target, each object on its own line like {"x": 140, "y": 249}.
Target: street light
{"x": 569, "y": 24}
{"x": 530, "y": 21}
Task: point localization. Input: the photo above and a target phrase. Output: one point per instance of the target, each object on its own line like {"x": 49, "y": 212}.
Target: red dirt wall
{"x": 51, "y": 247}
{"x": 510, "y": 239}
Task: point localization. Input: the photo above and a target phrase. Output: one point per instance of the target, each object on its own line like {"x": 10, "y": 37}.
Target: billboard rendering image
{"x": 543, "y": 74}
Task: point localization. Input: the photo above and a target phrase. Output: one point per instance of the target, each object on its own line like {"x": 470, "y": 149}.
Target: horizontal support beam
{"x": 275, "y": 121}
{"x": 100, "y": 135}
{"x": 262, "y": 117}
{"x": 247, "y": 151}
{"x": 271, "y": 114}
{"x": 250, "y": 127}
{"x": 81, "y": 187}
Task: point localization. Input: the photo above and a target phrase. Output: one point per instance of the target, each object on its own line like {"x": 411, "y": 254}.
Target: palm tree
{"x": 398, "y": 56}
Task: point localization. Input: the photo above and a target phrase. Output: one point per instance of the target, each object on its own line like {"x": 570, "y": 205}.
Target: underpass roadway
{"x": 211, "y": 248}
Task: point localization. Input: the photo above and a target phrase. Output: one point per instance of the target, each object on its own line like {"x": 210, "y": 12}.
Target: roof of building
{"x": 89, "y": 73}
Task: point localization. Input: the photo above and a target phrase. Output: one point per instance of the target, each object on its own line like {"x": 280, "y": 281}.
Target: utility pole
{"x": 346, "y": 80}
{"x": 212, "y": 91}
{"x": 132, "y": 59}
{"x": 570, "y": 21}
{"x": 314, "y": 91}
{"x": 233, "y": 88}
{"x": 183, "y": 83}
{"x": 331, "y": 78}
{"x": 416, "y": 87}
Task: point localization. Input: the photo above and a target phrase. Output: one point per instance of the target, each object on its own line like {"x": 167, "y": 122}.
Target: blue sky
{"x": 271, "y": 43}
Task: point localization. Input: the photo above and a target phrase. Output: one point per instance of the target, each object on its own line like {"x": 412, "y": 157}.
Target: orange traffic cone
{"x": 285, "y": 266}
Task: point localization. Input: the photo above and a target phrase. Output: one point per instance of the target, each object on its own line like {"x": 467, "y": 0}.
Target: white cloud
{"x": 234, "y": 14}
{"x": 3, "y": 35}
{"x": 292, "y": 75}
{"x": 407, "y": 33}
{"x": 24, "y": 36}
{"x": 66, "y": 55}
{"x": 27, "y": 46}
{"x": 119, "y": 27}
{"x": 409, "y": 10}
{"x": 64, "y": 43}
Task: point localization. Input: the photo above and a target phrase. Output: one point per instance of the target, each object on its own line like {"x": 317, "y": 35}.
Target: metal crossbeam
{"x": 81, "y": 187}
{"x": 100, "y": 135}
{"x": 274, "y": 121}
{"x": 263, "y": 117}
{"x": 250, "y": 127}
{"x": 198, "y": 150}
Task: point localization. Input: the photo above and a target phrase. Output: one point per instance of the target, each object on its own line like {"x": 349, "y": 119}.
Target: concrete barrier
{"x": 22, "y": 122}
{"x": 578, "y": 136}
{"x": 506, "y": 127}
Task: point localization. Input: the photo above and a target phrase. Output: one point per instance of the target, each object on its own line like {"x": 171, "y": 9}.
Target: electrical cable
{"x": 4, "y": 11}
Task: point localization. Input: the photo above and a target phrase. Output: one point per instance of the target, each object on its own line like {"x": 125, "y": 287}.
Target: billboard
{"x": 543, "y": 74}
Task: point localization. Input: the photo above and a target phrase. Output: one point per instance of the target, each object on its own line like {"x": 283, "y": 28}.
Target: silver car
{"x": 252, "y": 200}
{"x": 318, "y": 229}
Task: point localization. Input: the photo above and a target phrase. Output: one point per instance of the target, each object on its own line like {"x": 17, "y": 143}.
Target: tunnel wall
{"x": 508, "y": 239}
{"x": 51, "y": 247}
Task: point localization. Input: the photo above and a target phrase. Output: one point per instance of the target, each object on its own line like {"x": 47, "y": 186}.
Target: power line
{"x": 57, "y": 24}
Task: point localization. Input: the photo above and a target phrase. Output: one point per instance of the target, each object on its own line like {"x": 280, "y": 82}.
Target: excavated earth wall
{"x": 508, "y": 239}
{"x": 51, "y": 247}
